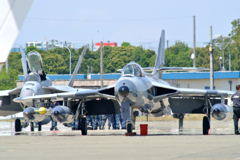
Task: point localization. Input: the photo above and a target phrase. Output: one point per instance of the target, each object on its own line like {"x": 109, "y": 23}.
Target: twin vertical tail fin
{"x": 160, "y": 58}
{"x": 77, "y": 67}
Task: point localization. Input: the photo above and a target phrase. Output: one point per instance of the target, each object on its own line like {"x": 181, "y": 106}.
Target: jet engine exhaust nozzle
{"x": 123, "y": 91}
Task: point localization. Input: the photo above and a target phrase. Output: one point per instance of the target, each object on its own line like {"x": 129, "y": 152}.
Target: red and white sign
{"x": 98, "y": 45}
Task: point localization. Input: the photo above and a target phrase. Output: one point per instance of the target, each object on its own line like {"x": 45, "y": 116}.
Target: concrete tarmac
{"x": 164, "y": 141}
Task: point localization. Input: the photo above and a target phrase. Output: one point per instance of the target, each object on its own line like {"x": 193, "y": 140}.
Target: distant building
{"x": 43, "y": 45}
{"x": 98, "y": 45}
{"x": 38, "y": 45}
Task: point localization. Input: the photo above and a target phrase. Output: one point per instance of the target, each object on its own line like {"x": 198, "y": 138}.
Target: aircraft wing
{"x": 183, "y": 92}
{"x": 107, "y": 92}
{"x": 192, "y": 69}
{"x": 7, "y": 106}
{"x": 58, "y": 89}
{"x": 15, "y": 91}
{"x": 4, "y": 93}
{"x": 164, "y": 91}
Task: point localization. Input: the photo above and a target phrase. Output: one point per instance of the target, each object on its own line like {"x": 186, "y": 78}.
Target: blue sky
{"x": 138, "y": 22}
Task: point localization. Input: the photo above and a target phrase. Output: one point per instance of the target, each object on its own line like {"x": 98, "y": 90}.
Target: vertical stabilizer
{"x": 77, "y": 67}
{"x": 24, "y": 62}
{"x": 160, "y": 58}
{"x": 13, "y": 13}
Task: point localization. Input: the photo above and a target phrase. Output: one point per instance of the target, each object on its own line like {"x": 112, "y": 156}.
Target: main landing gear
{"x": 206, "y": 119}
{"x": 181, "y": 118}
{"x": 129, "y": 127}
{"x": 84, "y": 125}
{"x": 32, "y": 126}
{"x": 18, "y": 126}
{"x": 82, "y": 121}
{"x": 131, "y": 118}
{"x": 206, "y": 125}
{"x": 39, "y": 126}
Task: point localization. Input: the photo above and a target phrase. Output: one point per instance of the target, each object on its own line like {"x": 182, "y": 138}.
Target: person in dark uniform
{"x": 54, "y": 123}
{"x": 236, "y": 108}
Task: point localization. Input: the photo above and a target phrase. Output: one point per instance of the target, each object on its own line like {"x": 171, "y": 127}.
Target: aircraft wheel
{"x": 129, "y": 128}
{"x": 32, "y": 126}
{"x": 39, "y": 126}
{"x": 79, "y": 124}
{"x": 84, "y": 126}
{"x": 205, "y": 125}
{"x": 18, "y": 127}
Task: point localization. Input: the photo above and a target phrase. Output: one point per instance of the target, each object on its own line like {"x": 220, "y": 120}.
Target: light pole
{"x": 229, "y": 54}
{"x": 223, "y": 68}
{"x": 223, "y": 46}
{"x": 220, "y": 58}
{"x": 69, "y": 60}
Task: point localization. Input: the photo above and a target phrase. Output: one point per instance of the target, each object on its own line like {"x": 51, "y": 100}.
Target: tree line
{"x": 56, "y": 61}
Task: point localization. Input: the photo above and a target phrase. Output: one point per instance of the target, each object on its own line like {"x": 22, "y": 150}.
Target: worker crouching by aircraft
{"x": 236, "y": 108}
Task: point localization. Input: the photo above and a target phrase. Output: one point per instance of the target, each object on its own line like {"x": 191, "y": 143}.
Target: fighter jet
{"x": 146, "y": 92}
{"x": 36, "y": 83}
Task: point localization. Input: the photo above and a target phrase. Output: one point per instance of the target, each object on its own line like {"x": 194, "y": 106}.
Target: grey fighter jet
{"x": 36, "y": 83}
{"x": 139, "y": 90}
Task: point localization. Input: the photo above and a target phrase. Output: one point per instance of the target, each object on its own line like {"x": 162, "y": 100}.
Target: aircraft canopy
{"x": 132, "y": 70}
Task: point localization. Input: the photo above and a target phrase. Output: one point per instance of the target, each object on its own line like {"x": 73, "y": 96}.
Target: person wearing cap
{"x": 236, "y": 108}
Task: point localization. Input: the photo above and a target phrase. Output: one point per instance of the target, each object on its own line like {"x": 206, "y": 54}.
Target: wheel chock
{"x": 130, "y": 134}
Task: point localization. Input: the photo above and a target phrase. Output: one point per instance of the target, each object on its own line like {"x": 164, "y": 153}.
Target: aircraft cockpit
{"x": 33, "y": 76}
{"x": 132, "y": 70}
{"x": 35, "y": 64}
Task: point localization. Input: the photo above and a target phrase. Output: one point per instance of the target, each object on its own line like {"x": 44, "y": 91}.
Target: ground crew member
{"x": 99, "y": 121}
{"x": 104, "y": 119}
{"x": 236, "y": 108}
{"x": 54, "y": 123}
{"x": 115, "y": 121}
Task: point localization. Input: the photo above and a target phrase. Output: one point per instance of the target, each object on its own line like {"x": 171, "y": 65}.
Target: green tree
{"x": 125, "y": 44}
{"x": 178, "y": 55}
{"x": 8, "y": 80}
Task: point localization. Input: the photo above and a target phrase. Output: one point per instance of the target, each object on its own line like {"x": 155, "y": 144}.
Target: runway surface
{"x": 164, "y": 141}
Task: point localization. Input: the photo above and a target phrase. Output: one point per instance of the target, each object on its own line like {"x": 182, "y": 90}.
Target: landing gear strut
{"x": 128, "y": 113}
{"x": 180, "y": 117}
{"x": 82, "y": 119}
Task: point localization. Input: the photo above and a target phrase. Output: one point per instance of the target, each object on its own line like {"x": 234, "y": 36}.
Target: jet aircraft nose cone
{"x": 56, "y": 113}
{"x": 123, "y": 91}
